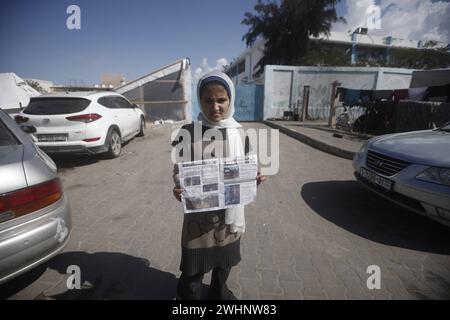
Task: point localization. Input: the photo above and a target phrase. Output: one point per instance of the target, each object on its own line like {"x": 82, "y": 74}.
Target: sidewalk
{"x": 318, "y": 135}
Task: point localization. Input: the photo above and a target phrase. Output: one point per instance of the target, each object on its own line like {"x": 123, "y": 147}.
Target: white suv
{"x": 86, "y": 122}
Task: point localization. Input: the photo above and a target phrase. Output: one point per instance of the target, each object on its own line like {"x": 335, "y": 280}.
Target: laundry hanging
{"x": 399, "y": 95}
{"x": 417, "y": 94}
{"x": 439, "y": 92}
{"x": 379, "y": 95}
{"x": 352, "y": 97}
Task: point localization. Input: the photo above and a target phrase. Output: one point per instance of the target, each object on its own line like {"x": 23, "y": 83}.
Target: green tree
{"x": 286, "y": 26}
{"x": 420, "y": 59}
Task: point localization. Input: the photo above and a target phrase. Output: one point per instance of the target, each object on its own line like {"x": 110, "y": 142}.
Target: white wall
{"x": 392, "y": 79}
{"x": 284, "y": 85}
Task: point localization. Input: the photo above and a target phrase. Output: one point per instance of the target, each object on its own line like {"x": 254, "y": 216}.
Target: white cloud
{"x": 205, "y": 68}
{"x": 406, "y": 19}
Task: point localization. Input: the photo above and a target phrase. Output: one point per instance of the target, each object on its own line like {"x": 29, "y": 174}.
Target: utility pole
{"x": 304, "y": 114}
{"x": 332, "y": 118}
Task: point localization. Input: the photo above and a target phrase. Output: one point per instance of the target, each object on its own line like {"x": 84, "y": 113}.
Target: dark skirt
{"x": 207, "y": 243}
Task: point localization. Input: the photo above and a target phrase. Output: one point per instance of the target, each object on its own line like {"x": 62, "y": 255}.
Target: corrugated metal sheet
{"x": 163, "y": 94}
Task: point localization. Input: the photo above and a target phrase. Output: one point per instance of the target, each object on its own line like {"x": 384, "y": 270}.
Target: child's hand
{"x": 177, "y": 193}
{"x": 260, "y": 178}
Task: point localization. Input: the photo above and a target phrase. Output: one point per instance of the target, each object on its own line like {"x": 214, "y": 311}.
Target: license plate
{"x": 52, "y": 137}
{"x": 376, "y": 179}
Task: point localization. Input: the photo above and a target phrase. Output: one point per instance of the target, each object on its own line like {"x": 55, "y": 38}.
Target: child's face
{"x": 215, "y": 102}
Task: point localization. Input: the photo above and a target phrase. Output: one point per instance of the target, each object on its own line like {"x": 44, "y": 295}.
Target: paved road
{"x": 311, "y": 234}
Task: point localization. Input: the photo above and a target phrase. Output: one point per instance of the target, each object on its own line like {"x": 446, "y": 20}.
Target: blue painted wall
{"x": 249, "y": 102}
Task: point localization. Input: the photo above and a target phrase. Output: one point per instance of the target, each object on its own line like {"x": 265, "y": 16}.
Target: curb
{"x": 342, "y": 153}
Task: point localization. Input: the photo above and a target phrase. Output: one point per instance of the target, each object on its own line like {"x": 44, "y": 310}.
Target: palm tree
{"x": 286, "y": 26}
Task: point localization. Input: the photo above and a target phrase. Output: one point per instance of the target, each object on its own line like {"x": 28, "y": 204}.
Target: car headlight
{"x": 363, "y": 150}
{"x": 436, "y": 175}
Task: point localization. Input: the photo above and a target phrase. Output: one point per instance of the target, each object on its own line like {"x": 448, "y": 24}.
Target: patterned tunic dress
{"x": 206, "y": 241}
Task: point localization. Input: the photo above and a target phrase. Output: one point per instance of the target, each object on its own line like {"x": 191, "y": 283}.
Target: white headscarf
{"x": 233, "y": 216}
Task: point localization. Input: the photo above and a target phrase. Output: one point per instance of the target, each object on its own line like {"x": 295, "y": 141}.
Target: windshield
{"x": 49, "y": 106}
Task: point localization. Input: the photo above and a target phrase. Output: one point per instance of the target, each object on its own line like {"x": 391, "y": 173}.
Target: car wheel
{"x": 141, "y": 128}
{"x": 115, "y": 145}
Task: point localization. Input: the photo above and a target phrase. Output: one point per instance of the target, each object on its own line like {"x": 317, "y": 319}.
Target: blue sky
{"x": 131, "y": 37}
{"x": 135, "y": 37}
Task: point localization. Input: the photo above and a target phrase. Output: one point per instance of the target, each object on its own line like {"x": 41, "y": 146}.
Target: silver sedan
{"x": 35, "y": 221}
{"x": 411, "y": 169}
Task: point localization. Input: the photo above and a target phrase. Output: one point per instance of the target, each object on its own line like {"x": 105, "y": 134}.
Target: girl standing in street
{"x": 211, "y": 240}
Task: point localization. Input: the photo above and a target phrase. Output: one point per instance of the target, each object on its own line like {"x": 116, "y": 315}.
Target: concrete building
{"x": 356, "y": 48}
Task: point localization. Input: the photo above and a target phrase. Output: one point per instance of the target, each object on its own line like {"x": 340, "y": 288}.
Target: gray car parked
{"x": 35, "y": 221}
{"x": 411, "y": 169}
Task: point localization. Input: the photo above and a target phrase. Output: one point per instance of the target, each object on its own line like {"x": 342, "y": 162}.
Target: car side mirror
{"x": 135, "y": 106}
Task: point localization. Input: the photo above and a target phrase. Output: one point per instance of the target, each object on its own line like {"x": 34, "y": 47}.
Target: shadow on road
{"x": 350, "y": 206}
{"x": 15, "y": 285}
{"x": 106, "y": 275}
{"x": 70, "y": 161}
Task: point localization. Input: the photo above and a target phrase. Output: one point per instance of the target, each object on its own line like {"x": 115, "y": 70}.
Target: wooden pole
{"x": 332, "y": 118}
{"x": 304, "y": 115}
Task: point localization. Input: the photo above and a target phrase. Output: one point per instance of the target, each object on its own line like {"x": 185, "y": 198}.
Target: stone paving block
{"x": 381, "y": 294}
{"x": 344, "y": 270}
{"x": 249, "y": 269}
{"x": 336, "y": 293}
{"x": 411, "y": 283}
{"x": 267, "y": 262}
{"x": 436, "y": 283}
{"x": 287, "y": 270}
{"x": 269, "y": 282}
{"x": 137, "y": 245}
{"x": 310, "y": 279}
{"x": 362, "y": 274}
{"x": 327, "y": 276}
{"x": 248, "y": 252}
{"x": 59, "y": 287}
{"x": 249, "y": 289}
{"x": 423, "y": 295}
{"x": 303, "y": 264}
{"x": 233, "y": 279}
{"x": 282, "y": 252}
{"x": 174, "y": 264}
{"x": 313, "y": 293}
{"x": 35, "y": 289}
{"x": 292, "y": 289}
{"x": 355, "y": 289}
{"x": 267, "y": 296}
{"x": 123, "y": 244}
{"x": 51, "y": 277}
